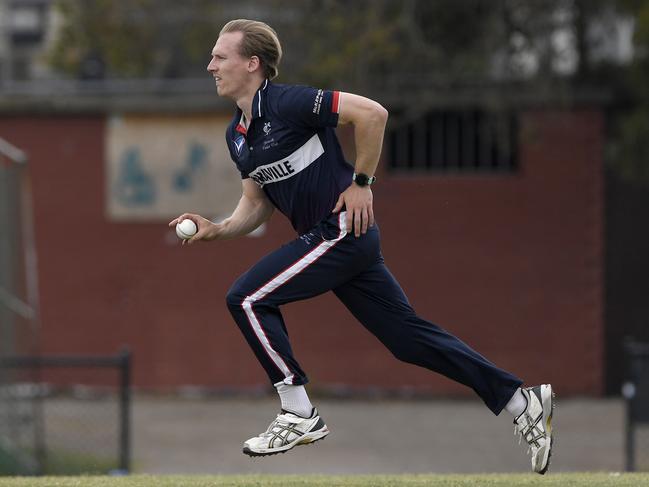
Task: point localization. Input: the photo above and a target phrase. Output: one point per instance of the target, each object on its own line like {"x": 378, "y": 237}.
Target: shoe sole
{"x": 547, "y": 397}
{"x": 306, "y": 439}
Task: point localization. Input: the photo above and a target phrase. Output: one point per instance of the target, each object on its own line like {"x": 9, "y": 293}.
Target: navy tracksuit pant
{"x": 326, "y": 258}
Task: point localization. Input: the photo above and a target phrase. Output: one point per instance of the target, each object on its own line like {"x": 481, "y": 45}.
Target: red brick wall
{"x": 512, "y": 264}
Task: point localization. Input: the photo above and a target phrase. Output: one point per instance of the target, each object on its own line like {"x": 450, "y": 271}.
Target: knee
{"x": 407, "y": 351}
{"x": 402, "y": 353}
{"x": 235, "y": 297}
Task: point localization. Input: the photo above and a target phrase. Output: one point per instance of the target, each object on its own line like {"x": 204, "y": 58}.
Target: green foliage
{"x": 339, "y": 42}
{"x": 629, "y": 151}
{"x": 103, "y": 29}
{"x": 132, "y": 38}
{"x": 629, "y": 147}
{"x": 385, "y": 46}
{"x": 384, "y": 42}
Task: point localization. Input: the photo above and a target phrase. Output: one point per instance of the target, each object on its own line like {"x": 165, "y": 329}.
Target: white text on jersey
{"x": 291, "y": 165}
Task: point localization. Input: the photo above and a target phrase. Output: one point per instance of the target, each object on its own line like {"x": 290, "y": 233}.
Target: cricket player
{"x": 283, "y": 142}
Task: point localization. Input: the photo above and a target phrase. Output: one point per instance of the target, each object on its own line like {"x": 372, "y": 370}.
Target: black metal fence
{"x": 18, "y": 275}
{"x": 65, "y": 414}
{"x": 636, "y": 393}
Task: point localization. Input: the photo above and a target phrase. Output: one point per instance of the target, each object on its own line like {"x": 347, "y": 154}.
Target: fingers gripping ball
{"x": 186, "y": 229}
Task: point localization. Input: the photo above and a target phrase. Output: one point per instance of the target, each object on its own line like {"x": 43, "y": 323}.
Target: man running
{"x": 283, "y": 142}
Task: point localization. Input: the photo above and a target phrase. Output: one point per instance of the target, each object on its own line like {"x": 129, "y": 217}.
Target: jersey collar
{"x": 259, "y": 100}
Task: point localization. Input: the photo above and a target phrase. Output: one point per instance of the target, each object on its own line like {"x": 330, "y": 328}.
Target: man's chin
{"x": 222, "y": 92}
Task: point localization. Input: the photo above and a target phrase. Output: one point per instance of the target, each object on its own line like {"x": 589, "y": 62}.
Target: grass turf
{"x": 489, "y": 480}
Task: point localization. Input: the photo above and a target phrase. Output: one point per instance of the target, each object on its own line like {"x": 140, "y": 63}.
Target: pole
{"x": 125, "y": 411}
{"x": 628, "y": 391}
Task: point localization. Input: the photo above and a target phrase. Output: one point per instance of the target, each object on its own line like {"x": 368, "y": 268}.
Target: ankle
{"x": 294, "y": 399}
{"x": 517, "y": 404}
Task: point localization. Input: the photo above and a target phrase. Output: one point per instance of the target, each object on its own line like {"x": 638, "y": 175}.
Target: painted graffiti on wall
{"x": 160, "y": 166}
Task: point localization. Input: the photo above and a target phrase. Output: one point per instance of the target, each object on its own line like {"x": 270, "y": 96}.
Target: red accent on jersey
{"x": 241, "y": 129}
{"x": 335, "y": 102}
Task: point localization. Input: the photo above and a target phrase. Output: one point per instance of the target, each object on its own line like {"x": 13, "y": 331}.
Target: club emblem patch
{"x": 238, "y": 144}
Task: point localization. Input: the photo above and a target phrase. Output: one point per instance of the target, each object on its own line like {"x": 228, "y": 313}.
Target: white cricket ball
{"x": 186, "y": 229}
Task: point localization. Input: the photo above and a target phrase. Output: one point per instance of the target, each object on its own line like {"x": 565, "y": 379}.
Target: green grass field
{"x": 491, "y": 480}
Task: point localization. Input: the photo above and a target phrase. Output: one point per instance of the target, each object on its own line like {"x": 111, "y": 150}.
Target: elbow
{"x": 380, "y": 113}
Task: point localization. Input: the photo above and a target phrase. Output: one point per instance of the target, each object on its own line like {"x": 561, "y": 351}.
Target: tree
{"x": 363, "y": 42}
{"x": 133, "y": 38}
{"x": 629, "y": 148}
{"x": 382, "y": 46}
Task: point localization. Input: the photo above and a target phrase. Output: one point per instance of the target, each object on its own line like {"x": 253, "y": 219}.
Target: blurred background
{"x": 512, "y": 196}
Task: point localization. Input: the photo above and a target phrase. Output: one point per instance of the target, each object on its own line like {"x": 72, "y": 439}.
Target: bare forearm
{"x": 254, "y": 208}
{"x": 368, "y": 137}
{"x": 247, "y": 216}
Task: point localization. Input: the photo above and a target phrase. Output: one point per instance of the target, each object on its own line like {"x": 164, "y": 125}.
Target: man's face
{"x": 230, "y": 69}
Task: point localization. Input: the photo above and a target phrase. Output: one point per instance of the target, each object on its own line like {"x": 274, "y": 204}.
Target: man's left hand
{"x": 358, "y": 203}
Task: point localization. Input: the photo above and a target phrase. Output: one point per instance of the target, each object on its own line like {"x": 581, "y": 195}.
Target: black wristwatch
{"x": 363, "y": 179}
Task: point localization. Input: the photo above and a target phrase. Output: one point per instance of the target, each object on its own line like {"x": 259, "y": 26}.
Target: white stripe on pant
{"x": 277, "y": 281}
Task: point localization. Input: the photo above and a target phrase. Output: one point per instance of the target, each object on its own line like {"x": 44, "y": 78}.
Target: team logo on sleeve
{"x": 238, "y": 144}
{"x": 317, "y": 103}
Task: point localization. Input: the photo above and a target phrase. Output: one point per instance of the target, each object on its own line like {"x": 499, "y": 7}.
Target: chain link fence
{"x": 65, "y": 415}
{"x": 58, "y": 415}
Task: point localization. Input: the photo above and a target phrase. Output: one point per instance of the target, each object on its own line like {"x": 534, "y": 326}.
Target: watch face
{"x": 361, "y": 179}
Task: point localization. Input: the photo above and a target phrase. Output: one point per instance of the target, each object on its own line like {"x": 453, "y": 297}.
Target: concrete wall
{"x": 512, "y": 264}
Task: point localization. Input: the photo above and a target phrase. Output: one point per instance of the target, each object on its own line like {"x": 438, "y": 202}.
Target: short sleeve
{"x": 309, "y": 107}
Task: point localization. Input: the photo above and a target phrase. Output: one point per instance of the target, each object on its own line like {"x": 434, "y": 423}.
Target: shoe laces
{"x": 281, "y": 420}
{"x": 520, "y": 438}
{"x": 527, "y": 428}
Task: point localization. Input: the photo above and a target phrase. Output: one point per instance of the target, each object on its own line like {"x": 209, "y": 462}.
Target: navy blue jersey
{"x": 290, "y": 149}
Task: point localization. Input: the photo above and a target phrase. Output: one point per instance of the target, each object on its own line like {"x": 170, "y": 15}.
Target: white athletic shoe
{"x": 285, "y": 432}
{"x": 535, "y": 425}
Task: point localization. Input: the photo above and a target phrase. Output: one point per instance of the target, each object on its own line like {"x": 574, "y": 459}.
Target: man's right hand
{"x": 207, "y": 230}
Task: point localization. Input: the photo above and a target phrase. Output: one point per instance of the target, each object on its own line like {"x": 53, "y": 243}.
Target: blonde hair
{"x": 259, "y": 39}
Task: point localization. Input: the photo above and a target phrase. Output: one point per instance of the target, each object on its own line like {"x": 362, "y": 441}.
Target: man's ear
{"x": 253, "y": 64}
